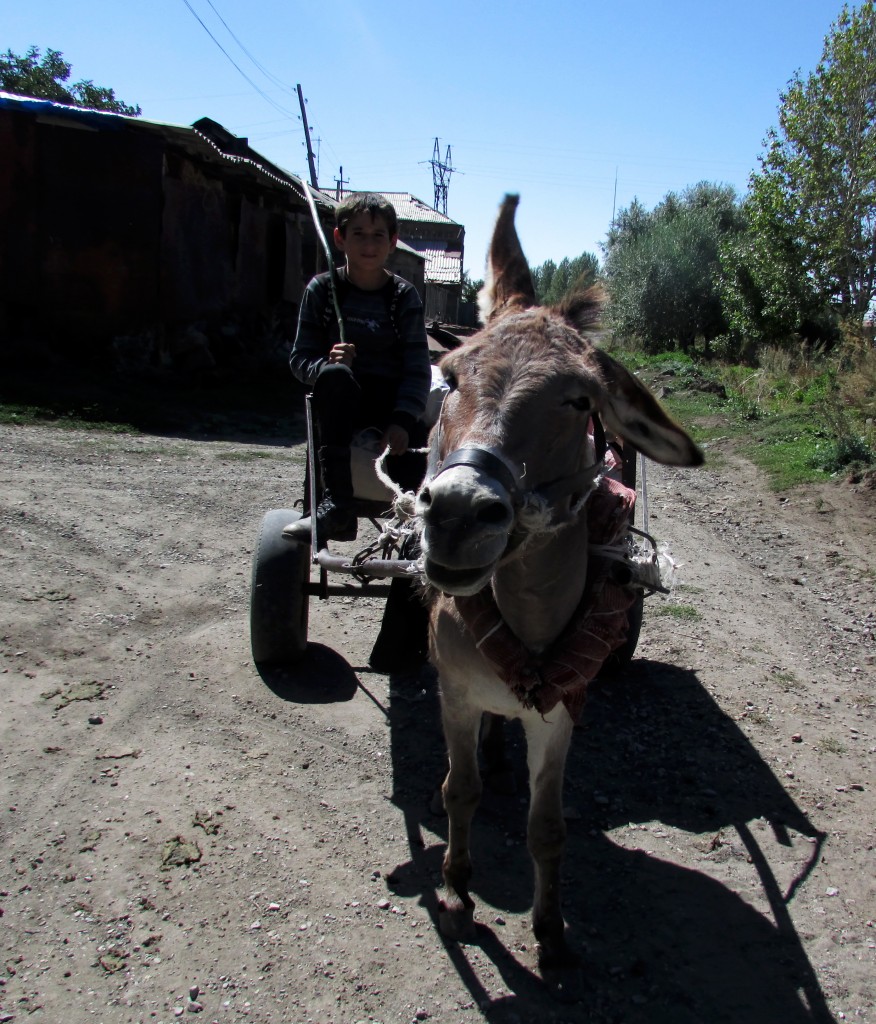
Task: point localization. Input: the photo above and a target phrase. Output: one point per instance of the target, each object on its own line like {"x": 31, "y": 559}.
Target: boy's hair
{"x": 366, "y": 202}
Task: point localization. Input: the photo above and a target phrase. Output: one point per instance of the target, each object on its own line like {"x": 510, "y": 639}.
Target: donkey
{"x": 506, "y": 526}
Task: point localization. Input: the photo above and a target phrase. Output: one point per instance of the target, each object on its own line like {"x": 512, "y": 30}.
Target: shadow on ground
{"x": 238, "y": 407}
{"x": 659, "y": 942}
{"x": 321, "y": 677}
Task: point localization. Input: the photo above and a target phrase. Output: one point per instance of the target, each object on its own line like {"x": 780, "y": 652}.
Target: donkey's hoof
{"x": 457, "y": 923}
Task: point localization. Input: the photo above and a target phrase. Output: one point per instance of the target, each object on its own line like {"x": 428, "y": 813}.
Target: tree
{"x": 814, "y": 198}
{"x": 45, "y": 77}
{"x": 767, "y": 298}
{"x": 554, "y": 282}
{"x": 662, "y": 268}
{"x": 470, "y": 288}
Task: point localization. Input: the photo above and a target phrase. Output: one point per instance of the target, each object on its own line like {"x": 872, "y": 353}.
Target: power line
{"x": 261, "y": 93}
{"x": 261, "y": 67}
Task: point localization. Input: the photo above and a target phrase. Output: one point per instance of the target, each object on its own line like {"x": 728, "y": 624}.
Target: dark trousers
{"x": 344, "y": 403}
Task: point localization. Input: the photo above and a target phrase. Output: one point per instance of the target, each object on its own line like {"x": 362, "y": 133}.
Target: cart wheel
{"x": 620, "y": 659}
{"x": 278, "y": 599}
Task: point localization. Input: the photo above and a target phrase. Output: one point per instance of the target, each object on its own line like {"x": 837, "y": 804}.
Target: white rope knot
{"x": 403, "y": 502}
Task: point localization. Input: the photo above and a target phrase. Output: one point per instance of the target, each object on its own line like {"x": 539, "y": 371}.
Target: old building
{"x": 128, "y": 236}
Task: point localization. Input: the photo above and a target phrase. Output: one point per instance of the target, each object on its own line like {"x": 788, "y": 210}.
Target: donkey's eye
{"x": 450, "y": 379}
{"x": 581, "y": 403}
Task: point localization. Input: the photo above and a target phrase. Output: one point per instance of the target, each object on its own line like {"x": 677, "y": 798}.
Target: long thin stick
{"x": 333, "y": 274}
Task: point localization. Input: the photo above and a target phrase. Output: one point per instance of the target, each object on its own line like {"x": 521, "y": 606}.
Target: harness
{"x": 599, "y": 625}
{"x": 532, "y": 506}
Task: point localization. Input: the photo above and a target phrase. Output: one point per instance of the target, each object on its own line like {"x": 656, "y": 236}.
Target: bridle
{"x": 494, "y": 464}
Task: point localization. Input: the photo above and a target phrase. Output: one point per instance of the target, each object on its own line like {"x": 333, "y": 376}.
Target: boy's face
{"x": 367, "y": 244}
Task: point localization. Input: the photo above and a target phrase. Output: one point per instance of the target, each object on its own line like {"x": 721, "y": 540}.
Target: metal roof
{"x": 205, "y": 136}
{"x": 442, "y": 266}
{"x": 409, "y": 207}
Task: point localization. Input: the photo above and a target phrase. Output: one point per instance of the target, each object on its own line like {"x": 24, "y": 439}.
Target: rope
{"x": 404, "y": 501}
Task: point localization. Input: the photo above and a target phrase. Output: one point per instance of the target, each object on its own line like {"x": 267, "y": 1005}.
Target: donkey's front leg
{"x": 462, "y": 792}
{"x": 547, "y": 744}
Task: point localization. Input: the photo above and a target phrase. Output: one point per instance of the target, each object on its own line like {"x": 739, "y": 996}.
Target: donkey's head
{"x": 511, "y": 454}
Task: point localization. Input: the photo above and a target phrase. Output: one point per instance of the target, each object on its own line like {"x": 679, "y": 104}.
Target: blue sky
{"x": 554, "y": 101}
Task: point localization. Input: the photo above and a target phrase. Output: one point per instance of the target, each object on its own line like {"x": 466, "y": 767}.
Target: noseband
{"x": 495, "y": 465}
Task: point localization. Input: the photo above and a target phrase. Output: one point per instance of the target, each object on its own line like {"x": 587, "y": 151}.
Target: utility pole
{"x": 310, "y": 162}
{"x": 441, "y": 177}
{"x": 340, "y": 181}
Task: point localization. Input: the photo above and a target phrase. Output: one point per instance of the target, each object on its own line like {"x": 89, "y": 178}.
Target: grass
{"x": 16, "y": 414}
{"x": 679, "y": 612}
{"x": 830, "y": 745}
{"x": 799, "y": 417}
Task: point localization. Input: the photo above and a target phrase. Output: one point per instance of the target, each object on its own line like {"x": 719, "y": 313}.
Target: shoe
{"x": 335, "y": 518}
{"x": 333, "y": 522}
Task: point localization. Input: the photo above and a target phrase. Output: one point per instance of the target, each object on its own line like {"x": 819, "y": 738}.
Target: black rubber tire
{"x": 278, "y": 605}
{"x": 620, "y": 658}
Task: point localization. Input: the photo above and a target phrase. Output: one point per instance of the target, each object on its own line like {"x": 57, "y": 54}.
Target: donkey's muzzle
{"x": 467, "y": 517}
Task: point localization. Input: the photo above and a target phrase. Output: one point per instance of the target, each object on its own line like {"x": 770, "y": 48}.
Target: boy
{"x": 378, "y": 377}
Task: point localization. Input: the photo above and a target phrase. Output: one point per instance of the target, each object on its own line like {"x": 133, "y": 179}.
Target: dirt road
{"x": 182, "y": 835}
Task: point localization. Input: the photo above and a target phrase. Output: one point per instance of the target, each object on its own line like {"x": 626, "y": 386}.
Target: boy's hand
{"x": 344, "y": 352}
{"x": 396, "y": 439}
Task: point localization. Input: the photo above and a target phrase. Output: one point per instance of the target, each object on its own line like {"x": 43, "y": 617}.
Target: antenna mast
{"x": 339, "y": 185}
{"x": 441, "y": 177}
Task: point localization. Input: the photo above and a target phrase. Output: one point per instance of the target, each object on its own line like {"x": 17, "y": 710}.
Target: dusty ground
{"x": 181, "y": 834}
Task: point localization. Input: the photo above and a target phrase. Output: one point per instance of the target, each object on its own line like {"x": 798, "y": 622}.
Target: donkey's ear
{"x": 508, "y": 282}
{"x": 583, "y": 307}
{"x": 630, "y": 410}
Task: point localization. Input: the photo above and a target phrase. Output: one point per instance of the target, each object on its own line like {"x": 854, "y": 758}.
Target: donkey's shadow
{"x": 659, "y": 942}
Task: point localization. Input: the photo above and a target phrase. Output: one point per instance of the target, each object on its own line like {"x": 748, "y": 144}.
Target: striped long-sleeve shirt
{"x": 386, "y": 326}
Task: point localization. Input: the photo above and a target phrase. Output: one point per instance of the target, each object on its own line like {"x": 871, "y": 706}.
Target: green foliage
{"x": 792, "y": 416}
{"x": 46, "y": 78}
{"x": 470, "y": 288}
{"x": 811, "y": 244}
{"x": 554, "y": 282}
{"x": 843, "y": 453}
{"x": 662, "y": 267}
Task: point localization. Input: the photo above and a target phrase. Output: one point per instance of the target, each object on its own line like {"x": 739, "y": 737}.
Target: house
{"x": 440, "y": 241}
{"x": 143, "y": 239}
